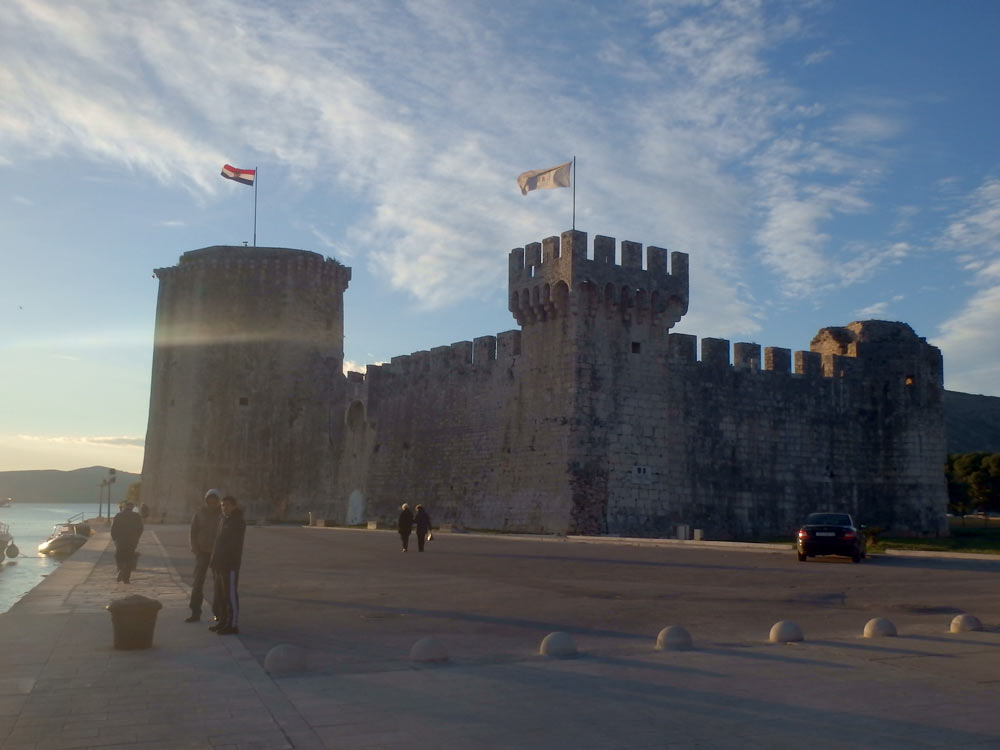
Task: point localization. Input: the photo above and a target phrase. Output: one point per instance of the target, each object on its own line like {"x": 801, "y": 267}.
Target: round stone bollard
{"x": 134, "y": 620}
{"x": 785, "y": 631}
{"x": 673, "y": 638}
{"x": 879, "y": 627}
{"x": 962, "y": 623}
{"x": 284, "y": 659}
{"x": 428, "y": 649}
{"x": 559, "y": 645}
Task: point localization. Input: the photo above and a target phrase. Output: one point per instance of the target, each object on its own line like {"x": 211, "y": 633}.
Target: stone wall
{"x": 591, "y": 419}
{"x": 247, "y": 391}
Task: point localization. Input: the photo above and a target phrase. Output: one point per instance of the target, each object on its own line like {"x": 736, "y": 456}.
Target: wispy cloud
{"x": 90, "y": 441}
{"x": 974, "y": 234}
{"x": 426, "y": 112}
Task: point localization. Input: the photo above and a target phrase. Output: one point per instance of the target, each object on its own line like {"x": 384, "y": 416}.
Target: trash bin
{"x": 134, "y": 619}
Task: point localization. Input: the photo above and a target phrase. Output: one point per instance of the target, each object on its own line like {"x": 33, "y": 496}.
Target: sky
{"x": 820, "y": 162}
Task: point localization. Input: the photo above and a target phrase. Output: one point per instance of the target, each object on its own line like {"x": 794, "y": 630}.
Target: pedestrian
{"x": 405, "y": 525}
{"x": 227, "y": 553}
{"x": 204, "y": 525}
{"x": 126, "y": 528}
{"x": 423, "y": 522}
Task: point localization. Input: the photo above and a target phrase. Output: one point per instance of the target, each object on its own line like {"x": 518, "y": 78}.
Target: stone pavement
{"x": 62, "y": 685}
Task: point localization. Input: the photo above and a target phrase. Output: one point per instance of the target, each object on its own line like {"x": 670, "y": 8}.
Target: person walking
{"x": 126, "y": 528}
{"x": 423, "y": 522}
{"x": 227, "y": 553}
{"x": 405, "y": 525}
{"x": 204, "y": 525}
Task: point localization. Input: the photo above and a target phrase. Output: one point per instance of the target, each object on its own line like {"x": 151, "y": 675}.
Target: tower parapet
{"x": 546, "y": 278}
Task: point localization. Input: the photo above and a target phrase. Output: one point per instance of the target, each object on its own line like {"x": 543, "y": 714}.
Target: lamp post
{"x": 110, "y": 480}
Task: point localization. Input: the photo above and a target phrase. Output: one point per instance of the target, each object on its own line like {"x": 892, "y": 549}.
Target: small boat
{"x": 6, "y": 503}
{"x": 66, "y": 539}
{"x": 7, "y": 546}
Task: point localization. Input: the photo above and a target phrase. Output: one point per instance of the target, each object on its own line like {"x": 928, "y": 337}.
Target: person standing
{"x": 405, "y": 525}
{"x": 227, "y": 553}
{"x": 423, "y": 522}
{"x": 204, "y": 525}
{"x": 126, "y": 528}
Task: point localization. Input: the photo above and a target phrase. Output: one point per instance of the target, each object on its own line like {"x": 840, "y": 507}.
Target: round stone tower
{"x": 247, "y": 384}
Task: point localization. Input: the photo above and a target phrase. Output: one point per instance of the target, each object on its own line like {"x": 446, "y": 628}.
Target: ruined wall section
{"x": 747, "y": 449}
{"x": 247, "y": 388}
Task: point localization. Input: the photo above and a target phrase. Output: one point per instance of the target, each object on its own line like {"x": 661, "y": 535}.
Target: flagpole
{"x": 256, "y": 174}
{"x": 574, "y": 193}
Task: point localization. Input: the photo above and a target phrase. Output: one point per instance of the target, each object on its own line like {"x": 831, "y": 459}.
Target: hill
{"x": 972, "y": 422}
{"x": 49, "y": 485}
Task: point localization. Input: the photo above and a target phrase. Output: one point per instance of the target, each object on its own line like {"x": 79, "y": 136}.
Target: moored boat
{"x": 7, "y": 546}
{"x": 66, "y": 538}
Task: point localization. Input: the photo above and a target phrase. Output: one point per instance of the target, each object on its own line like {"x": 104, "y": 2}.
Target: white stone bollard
{"x": 785, "y": 631}
{"x": 284, "y": 659}
{"x": 962, "y": 623}
{"x": 558, "y": 645}
{"x": 428, "y": 649}
{"x": 673, "y": 638}
{"x": 879, "y": 627}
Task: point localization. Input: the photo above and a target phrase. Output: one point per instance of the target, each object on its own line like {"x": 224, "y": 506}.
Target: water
{"x": 30, "y": 525}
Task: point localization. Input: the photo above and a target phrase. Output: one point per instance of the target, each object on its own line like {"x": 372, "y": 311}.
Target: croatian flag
{"x": 246, "y": 176}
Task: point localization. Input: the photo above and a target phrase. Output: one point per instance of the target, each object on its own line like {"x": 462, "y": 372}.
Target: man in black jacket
{"x": 126, "y": 528}
{"x": 204, "y": 526}
{"x": 227, "y": 553}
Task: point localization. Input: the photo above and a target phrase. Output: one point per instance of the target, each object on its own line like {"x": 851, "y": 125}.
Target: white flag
{"x": 540, "y": 179}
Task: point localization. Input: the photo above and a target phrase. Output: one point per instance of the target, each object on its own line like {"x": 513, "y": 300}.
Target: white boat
{"x": 66, "y": 539}
{"x": 6, "y": 503}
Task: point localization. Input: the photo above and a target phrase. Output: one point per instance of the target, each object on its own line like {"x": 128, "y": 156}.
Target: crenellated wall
{"x": 593, "y": 418}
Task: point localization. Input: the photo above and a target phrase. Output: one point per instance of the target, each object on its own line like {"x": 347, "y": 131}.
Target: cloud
{"x": 90, "y": 441}
{"x": 970, "y": 339}
{"x": 872, "y": 311}
{"x": 424, "y": 113}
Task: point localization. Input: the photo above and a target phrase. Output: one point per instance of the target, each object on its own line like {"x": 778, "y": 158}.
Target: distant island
{"x": 52, "y": 486}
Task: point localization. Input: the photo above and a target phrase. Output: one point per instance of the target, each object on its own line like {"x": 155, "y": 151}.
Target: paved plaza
{"x": 355, "y": 605}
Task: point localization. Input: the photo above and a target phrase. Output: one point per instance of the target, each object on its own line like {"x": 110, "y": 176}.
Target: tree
{"x": 133, "y": 493}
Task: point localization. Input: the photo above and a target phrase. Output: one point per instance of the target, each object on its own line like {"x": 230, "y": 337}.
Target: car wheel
{"x": 856, "y": 557}
{"x": 802, "y": 557}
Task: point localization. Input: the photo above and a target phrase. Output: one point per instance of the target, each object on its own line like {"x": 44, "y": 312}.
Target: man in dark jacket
{"x": 227, "y": 553}
{"x": 423, "y": 522}
{"x": 204, "y": 525}
{"x": 126, "y": 528}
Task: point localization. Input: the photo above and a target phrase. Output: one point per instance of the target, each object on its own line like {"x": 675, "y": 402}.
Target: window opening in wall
{"x": 641, "y": 475}
{"x": 244, "y": 401}
{"x": 910, "y": 380}
{"x": 636, "y": 347}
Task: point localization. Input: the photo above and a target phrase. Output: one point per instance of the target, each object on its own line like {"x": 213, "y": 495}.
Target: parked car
{"x": 831, "y": 534}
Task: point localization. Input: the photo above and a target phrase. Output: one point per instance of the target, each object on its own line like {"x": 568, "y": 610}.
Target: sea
{"x": 30, "y": 525}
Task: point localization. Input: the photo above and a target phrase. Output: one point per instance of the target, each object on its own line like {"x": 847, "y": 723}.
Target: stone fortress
{"x": 591, "y": 419}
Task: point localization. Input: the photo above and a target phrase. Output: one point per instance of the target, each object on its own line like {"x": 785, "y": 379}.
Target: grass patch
{"x": 973, "y": 536}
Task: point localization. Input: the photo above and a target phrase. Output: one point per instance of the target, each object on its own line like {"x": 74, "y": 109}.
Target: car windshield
{"x": 829, "y": 519}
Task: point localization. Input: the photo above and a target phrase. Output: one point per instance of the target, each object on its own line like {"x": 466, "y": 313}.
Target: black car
{"x": 831, "y": 534}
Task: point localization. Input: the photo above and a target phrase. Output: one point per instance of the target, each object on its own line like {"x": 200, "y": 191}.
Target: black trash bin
{"x": 134, "y": 620}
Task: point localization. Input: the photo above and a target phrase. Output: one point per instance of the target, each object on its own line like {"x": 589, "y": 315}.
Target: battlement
{"x": 867, "y": 349}
{"x": 274, "y": 263}
{"x": 547, "y": 279}
{"x": 483, "y": 353}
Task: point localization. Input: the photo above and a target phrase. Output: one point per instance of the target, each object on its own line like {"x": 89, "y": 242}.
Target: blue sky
{"x": 821, "y": 162}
